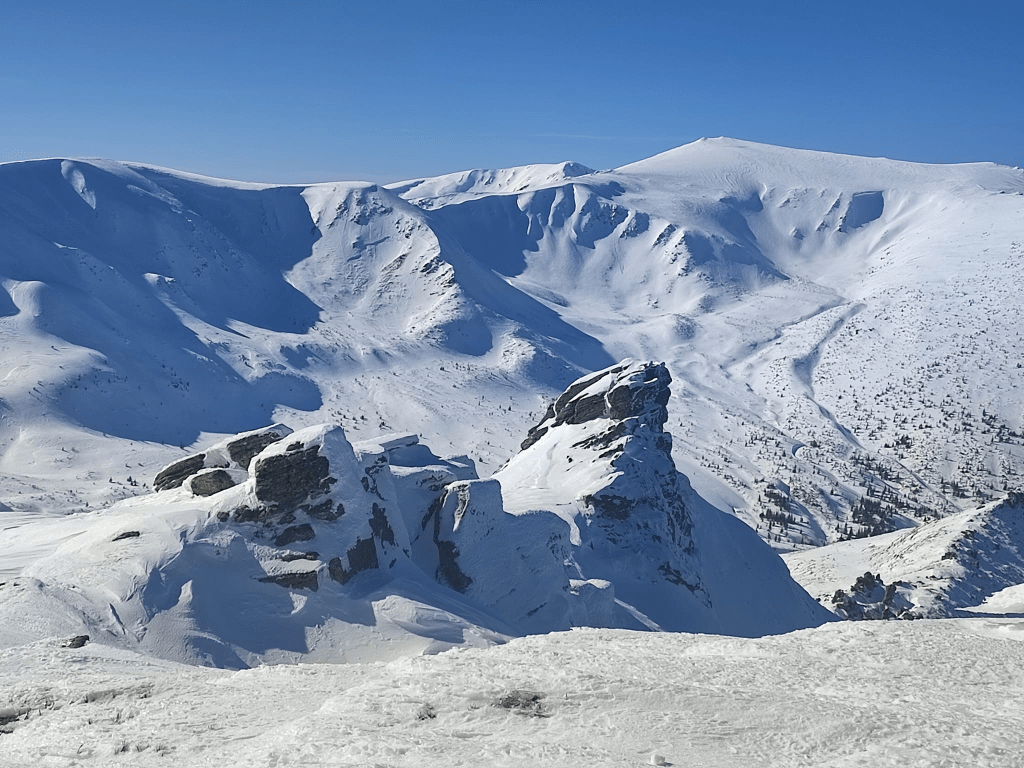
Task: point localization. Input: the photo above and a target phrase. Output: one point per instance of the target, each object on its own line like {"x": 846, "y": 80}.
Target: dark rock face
{"x": 126, "y": 535}
{"x": 299, "y": 580}
{"x": 209, "y": 483}
{"x": 325, "y": 510}
{"x": 380, "y": 526}
{"x": 610, "y": 506}
{"x": 295, "y": 533}
{"x": 173, "y": 475}
{"x": 644, "y": 397}
{"x": 245, "y": 448}
{"x": 291, "y": 557}
{"x": 288, "y": 479}
{"x": 449, "y": 571}
{"x": 361, "y": 557}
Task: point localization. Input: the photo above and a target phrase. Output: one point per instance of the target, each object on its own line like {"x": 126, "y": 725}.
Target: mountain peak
{"x": 628, "y": 391}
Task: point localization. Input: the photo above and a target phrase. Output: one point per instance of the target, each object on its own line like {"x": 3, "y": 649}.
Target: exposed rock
{"x": 325, "y": 510}
{"x": 210, "y": 482}
{"x": 522, "y": 702}
{"x": 173, "y": 475}
{"x": 295, "y": 533}
{"x": 127, "y": 535}
{"x": 245, "y": 514}
{"x": 78, "y": 641}
{"x": 380, "y": 526}
{"x": 290, "y": 557}
{"x": 285, "y": 480}
{"x": 361, "y": 557}
{"x": 245, "y": 447}
{"x": 297, "y": 580}
{"x": 448, "y": 567}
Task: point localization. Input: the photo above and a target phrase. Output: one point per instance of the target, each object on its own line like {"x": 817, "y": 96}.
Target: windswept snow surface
{"x": 924, "y": 693}
{"x": 838, "y": 327}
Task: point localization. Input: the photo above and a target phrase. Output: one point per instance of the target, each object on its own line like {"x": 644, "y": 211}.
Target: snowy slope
{"x": 938, "y": 569}
{"x": 837, "y": 327}
{"x": 922, "y": 693}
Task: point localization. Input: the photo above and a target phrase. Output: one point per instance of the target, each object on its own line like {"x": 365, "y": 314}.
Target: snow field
{"x": 924, "y": 693}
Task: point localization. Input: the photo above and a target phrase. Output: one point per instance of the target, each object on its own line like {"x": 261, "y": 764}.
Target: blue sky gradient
{"x": 386, "y": 90}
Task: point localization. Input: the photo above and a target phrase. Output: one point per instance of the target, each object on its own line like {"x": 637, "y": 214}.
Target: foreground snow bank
{"x": 845, "y": 694}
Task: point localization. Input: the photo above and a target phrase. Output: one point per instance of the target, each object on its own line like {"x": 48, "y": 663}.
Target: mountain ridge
{"x": 772, "y": 294}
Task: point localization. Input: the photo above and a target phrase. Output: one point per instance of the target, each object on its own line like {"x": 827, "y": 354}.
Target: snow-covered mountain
{"x": 277, "y": 545}
{"x": 934, "y": 571}
{"x": 841, "y": 338}
{"x": 839, "y": 329}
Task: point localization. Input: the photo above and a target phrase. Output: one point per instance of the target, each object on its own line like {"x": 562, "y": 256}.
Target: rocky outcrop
{"x": 285, "y": 480}
{"x": 315, "y": 490}
{"x": 645, "y": 551}
{"x": 210, "y": 482}
{"x": 295, "y": 580}
{"x": 937, "y": 569}
{"x": 235, "y": 452}
{"x": 244, "y": 448}
{"x": 616, "y": 419}
{"x": 295, "y": 533}
{"x": 871, "y": 598}
{"x": 620, "y": 393}
{"x": 173, "y": 475}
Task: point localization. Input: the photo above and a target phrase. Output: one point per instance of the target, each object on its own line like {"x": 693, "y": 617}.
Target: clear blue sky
{"x": 391, "y": 89}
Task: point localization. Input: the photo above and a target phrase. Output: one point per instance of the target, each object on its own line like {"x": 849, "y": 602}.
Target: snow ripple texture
{"x": 923, "y": 693}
